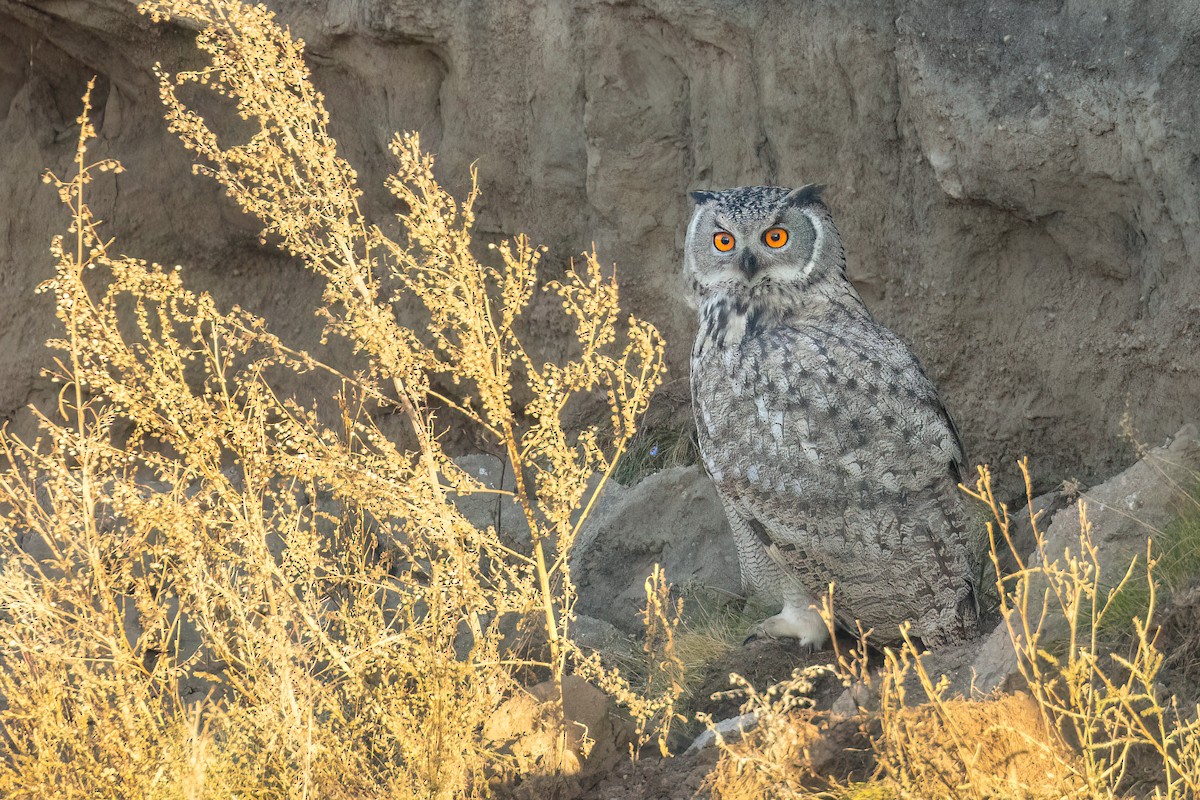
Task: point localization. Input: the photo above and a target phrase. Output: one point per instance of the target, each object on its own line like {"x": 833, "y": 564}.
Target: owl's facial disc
{"x": 752, "y": 237}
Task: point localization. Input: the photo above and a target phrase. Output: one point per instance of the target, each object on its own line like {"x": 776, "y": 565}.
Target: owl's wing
{"x": 852, "y": 472}
{"x": 951, "y": 439}
{"x": 868, "y": 391}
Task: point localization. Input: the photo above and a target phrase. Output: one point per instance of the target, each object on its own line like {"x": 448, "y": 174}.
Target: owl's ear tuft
{"x": 700, "y": 198}
{"x": 805, "y": 195}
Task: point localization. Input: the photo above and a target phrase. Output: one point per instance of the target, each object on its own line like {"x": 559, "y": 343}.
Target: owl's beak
{"x": 748, "y": 263}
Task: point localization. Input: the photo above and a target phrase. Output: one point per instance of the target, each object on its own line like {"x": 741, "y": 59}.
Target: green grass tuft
{"x": 1177, "y": 552}
{"x": 656, "y": 449}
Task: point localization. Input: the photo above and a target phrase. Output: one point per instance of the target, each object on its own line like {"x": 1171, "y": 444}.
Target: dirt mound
{"x": 763, "y": 663}
{"x": 999, "y": 747}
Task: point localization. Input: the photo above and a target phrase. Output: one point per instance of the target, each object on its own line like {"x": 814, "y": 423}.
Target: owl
{"x": 833, "y": 456}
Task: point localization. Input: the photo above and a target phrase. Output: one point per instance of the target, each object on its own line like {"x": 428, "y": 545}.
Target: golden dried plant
{"x": 1107, "y": 705}
{"x": 1094, "y": 721}
{"x": 227, "y": 594}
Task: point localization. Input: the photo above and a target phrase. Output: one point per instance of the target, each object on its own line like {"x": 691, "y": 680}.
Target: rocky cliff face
{"x": 1017, "y": 183}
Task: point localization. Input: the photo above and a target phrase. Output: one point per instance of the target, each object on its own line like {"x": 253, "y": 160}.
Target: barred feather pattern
{"x": 833, "y": 454}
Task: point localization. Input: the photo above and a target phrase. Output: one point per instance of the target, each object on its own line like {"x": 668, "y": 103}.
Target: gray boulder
{"x": 483, "y": 509}
{"x": 1124, "y": 513}
{"x": 672, "y": 518}
{"x": 1021, "y": 527}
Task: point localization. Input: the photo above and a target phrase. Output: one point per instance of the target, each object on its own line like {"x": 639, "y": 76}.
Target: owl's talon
{"x": 804, "y": 624}
{"x": 756, "y": 633}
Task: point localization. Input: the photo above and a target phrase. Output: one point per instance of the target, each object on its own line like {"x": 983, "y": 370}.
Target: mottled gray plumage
{"x": 830, "y": 449}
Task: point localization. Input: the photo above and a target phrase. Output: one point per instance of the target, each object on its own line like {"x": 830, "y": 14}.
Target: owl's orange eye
{"x": 776, "y": 237}
{"x": 723, "y": 241}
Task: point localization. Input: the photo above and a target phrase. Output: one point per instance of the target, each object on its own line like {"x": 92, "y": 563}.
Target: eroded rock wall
{"x": 1017, "y": 184}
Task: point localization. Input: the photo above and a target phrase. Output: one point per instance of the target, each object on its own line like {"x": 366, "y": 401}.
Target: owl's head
{"x": 757, "y": 240}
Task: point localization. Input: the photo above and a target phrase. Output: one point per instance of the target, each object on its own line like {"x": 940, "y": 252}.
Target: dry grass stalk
{"x": 341, "y": 618}
{"x": 1107, "y": 705}
{"x": 1091, "y": 712}
{"x": 770, "y": 759}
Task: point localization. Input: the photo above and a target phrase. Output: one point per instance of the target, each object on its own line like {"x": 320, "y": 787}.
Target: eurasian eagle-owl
{"x": 831, "y": 451}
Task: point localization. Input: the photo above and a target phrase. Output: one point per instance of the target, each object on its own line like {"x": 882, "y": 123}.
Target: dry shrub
{"x": 1096, "y": 723}
{"x": 236, "y": 598}
{"x": 952, "y": 747}
{"x": 1109, "y": 707}
{"x": 784, "y": 751}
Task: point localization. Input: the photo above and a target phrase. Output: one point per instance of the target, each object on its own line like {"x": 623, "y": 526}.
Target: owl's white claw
{"x": 794, "y": 622}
